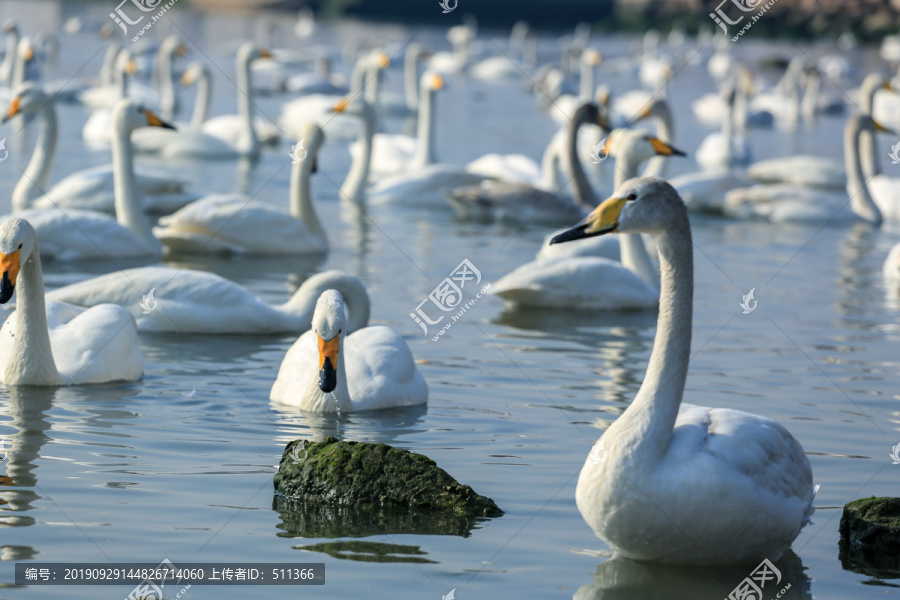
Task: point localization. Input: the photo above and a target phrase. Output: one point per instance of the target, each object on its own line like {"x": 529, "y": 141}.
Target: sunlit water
{"x": 180, "y": 464}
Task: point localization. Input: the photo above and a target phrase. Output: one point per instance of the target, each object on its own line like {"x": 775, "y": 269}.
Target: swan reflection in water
{"x": 624, "y": 579}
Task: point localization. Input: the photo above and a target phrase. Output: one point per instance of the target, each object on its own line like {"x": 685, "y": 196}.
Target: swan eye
{"x": 631, "y": 197}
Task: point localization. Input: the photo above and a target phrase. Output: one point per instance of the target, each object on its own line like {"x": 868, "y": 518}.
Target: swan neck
{"x": 202, "y": 101}
{"x": 582, "y": 190}
{"x": 586, "y": 79}
{"x": 107, "y": 70}
{"x": 634, "y": 253}
{"x": 425, "y": 154}
{"x": 168, "y": 101}
{"x": 31, "y": 360}
{"x": 549, "y": 166}
{"x": 128, "y": 212}
{"x": 651, "y": 417}
{"x": 658, "y": 166}
{"x": 301, "y": 205}
{"x": 411, "y": 78}
{"x": 858, "y": 189}
{"x": 247, "y": 141}
{"x": 37, "y": 174}
{"x": 354, "y": 186}
{"x": 9, "y": 61}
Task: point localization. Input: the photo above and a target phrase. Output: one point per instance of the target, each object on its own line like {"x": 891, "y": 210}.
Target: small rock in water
{"x": 870, "y": 537}
{"x": 339, "y": 487}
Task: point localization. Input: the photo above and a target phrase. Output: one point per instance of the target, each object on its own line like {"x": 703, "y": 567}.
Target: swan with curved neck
{"x": 743, "y": 484}
{"x": 201, "y": 302}
{"x": 76, "y": 234}
{"x": 354, "y": 186}
{"x": 329, "y": 371}
{"x": 88, "y": 189}
{"x": 170, "y": 47}
{"x": 198, "y": 73}
{"x": 234, "y": 224}
{"x": 225, "y": 136}
{"x": 12, "y": 46}
{"x": 393, "y": 153}
{"x": 784, "y": 202}
{"x": 72, "y": 352}
{"x": 594, "y": 275}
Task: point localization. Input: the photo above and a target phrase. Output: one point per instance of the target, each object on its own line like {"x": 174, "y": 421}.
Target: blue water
{"x": 180, "y": 464}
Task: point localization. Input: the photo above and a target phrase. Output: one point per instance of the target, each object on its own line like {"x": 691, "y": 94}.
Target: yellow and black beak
{"x": 181, "y": 51}
{"x": 187, "y": 78}
{"x": 341, "y": 106}
{"x": 602, "y": 220}
{"x": 28, "y": 54}
{"x": 9, "y": 267}
{"x": 15, "y": 107}
{"x": 879, "y": 127}
{"x": 131, "y": 67}
{"x": 664, "y": 149}
{"x": 383, "y": 60}
{"x": 154, "y": 121}
{"x": 264, "y": 54}
{"x": 328, "y": 358}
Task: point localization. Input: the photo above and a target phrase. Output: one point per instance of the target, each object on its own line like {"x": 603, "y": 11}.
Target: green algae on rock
{"x": 364, "y": 489}
{"x": 870, "y": 537}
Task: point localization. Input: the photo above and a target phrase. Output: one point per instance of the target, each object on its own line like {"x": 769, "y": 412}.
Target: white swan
{"x": 394, "y": 153}
{"x": 563, "y": 108}
{"x": 783, "y": 202}
{"x": 73, "y": 234}
{"x": 318, "y": 107}
{"x": 588, "y": 280}
{"x": 223, "y": 137}
{"x": 199, "y": 302}
{"x": 522, "y": 203}
{"x": 328, "y": 371}
{"x": 97, "y": 128}
{"x": 391, "y": 103}
{"x": 56, "y": 343}
{"x": 817, "y": 171}
{"x": 678, "y": 483}
{"x": 727, "y": 148}
{"x": 90, "y": 189}
{"x": 891, "y": 269}
{"x": 235, "y": 224}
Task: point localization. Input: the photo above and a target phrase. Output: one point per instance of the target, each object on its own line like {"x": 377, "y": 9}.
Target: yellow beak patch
{"x": 328, "y": 349}
{"x": 14, "y": 107}
{"x": 605, "y": 217}
{"x": 10, "y": 265}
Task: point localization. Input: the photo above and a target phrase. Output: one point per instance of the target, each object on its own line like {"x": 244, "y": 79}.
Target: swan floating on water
{"x": 677, "y": 483}
{"x": 330, "y": 370}
{"x": 53, "y": 343}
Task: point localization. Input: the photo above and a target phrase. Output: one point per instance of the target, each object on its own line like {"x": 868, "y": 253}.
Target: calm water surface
{"x": 180, "y": 464}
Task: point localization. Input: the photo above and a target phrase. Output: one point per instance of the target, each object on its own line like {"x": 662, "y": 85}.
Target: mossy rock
{"x": 334, "y": 489}
{"x": 870, "y": 537}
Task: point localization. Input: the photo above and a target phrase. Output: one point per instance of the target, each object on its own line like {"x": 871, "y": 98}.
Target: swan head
{"x": 10, "y": 26}
{"x": 591, "y": 113}
{"x": 329, "y": 320}
{"x": 640, "y": 205}
{"x": 432, "y": 82}
{"x": 172, "y": 45}
{"x": 28, "y": 98}
{"x": 16, "y": 244}
{"x": 194, "y": 71}
{"x": 356, "y": 106}
{"x": 125, "y": 63}
{"x": 312, "y": 137}
{"x": 248, "y": 52}
{"x": 638, "y": 144}
{"x": 128, "y": 115}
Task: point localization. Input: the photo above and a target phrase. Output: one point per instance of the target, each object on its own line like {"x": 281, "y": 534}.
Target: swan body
{"x": 422, "y": 187}
{"x": 523, "y": 203}
{"x": 394, "y": 153}
{"x": 585, "y": 279}
{"x": 784, "y": 202}
{"x": 678, "y": 483}
{"x": 89, "y": 189}
{"x": 704, "y": 191}
{"x": 512, "y": 168}
{"x": 52, "y": 343}
{"x": 199, "y": 302}
{"x": 328, "y": 370}
{"x": 223, "y": 137}
{"x": 800, "y": 170}
{"x": 233, "y": 223}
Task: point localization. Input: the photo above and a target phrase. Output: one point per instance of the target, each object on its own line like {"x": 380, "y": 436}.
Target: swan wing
{"x": 583, "y": 282}
{"x": 381, "y": 372}
{"x": 74, "y": 234}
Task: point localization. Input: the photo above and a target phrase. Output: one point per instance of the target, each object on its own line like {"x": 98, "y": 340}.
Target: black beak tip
{"x": 7, "y": 289}
{"x": 569, "y": 235}
{"x": 165, "y": 125}
{"x": 327, "y": 377}
{"x": 678, "y": 152}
